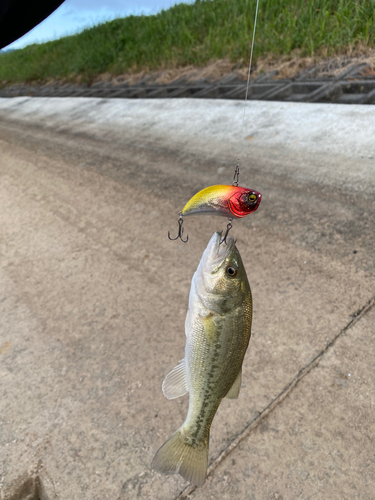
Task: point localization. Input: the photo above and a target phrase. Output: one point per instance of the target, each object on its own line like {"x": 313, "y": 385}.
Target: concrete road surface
{"x": 93, "y": 296}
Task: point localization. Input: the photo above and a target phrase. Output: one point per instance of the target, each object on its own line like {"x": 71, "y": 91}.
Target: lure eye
{"x": 252, "y": 197}
{"x": 232, "y": 271}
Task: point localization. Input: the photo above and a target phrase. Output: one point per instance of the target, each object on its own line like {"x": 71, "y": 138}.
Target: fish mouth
{"x": 213, "y": 259}
{"x": 218, "y": 250}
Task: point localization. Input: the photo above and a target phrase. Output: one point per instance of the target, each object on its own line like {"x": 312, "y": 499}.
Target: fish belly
{"x": 214, "y": 353}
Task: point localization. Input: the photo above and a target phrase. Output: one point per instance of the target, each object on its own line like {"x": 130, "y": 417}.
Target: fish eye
{"x": 252, "y": 197}
{"x": 232, "y": 271}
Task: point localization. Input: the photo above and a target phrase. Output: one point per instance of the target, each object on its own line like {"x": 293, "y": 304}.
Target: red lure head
{"x": 244, "y": 201}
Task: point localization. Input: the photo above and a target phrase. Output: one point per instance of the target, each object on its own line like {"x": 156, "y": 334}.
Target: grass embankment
{"x": 197, "y": 33}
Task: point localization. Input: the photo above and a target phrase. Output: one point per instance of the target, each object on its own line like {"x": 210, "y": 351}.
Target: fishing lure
{"x": 227, "y": 201}
{"x": 230, "y": 201}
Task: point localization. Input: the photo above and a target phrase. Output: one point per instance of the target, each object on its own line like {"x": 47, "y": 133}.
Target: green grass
{"x": 197, "y": 33}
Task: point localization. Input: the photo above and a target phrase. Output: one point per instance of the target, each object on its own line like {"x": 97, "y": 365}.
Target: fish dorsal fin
{"x": 174, "y": 385}
{"x": 235, "y": 389}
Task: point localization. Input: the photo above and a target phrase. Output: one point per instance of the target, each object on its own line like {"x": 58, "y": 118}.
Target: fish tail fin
{"x": 178, "y": 457}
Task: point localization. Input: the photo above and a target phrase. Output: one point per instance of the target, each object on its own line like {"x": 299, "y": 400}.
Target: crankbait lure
{"x": 227, "y": 201}
{"x": 230, "y": 201}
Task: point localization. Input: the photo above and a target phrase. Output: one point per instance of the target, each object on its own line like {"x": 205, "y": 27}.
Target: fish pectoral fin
{"x": 174, "y": 385}
{"x": 235, "y": 389}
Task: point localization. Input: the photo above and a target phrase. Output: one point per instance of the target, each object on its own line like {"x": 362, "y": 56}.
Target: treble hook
{"x": 180, "y": 231}
{"x": 229, "y": 227}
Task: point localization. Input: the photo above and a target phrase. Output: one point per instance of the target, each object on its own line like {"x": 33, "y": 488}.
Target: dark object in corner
{"x": 17, "y": 17}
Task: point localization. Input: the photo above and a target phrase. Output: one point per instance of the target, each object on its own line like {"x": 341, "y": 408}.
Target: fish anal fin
{"x": 174, "y": 385}
{"x": 178, "y": 457}
{"x": 235, "y": 389}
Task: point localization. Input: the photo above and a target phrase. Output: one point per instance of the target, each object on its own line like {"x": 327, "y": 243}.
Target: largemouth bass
{"x": 217, "y": 331}
{"x": 228, "y": 201}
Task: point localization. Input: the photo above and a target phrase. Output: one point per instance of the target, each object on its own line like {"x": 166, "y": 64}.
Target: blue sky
{"x": 74, "y": 15}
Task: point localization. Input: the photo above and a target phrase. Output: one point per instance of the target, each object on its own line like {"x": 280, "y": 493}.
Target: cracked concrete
{"x": 93, "y": 295}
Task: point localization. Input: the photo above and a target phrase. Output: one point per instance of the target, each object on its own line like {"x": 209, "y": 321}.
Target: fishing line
{"x": 237, "y": 170}
{"x": 251, "y": 59}
{"x": 217, "y": 199}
